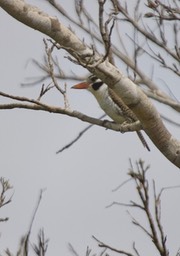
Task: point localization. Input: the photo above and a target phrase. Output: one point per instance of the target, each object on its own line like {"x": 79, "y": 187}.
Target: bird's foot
{"x": 106, "y": 121}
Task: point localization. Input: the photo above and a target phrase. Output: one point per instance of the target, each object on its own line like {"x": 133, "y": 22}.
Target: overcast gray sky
{"x": 78, "y": 183}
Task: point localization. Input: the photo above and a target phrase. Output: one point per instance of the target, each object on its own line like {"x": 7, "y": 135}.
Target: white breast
{"x": 107, "y": 104}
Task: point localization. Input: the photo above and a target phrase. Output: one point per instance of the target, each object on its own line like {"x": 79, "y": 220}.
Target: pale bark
{"x": 137, "y": 101}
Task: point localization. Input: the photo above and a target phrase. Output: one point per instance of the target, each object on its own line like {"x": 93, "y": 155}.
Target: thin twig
{"x": 24, "y": 244}
{"x": 77, "y": 137}
{"x": 101, "y": 244}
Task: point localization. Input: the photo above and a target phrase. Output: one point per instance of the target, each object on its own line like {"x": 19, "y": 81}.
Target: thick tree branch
{"x": 125, "y": 88}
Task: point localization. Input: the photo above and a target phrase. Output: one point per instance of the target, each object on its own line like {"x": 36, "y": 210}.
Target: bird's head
{"x": 92, "y": 84}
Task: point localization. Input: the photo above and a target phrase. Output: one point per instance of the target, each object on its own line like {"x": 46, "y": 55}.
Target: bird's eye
{"x": 97, "y": 85}
{"x": 93, "y": 78}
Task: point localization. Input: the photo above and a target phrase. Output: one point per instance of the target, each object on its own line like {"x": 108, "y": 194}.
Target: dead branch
{"x": 77, "y": 137}
{"x": 4, "y": 199}
{"x": 37, "y": 105}
{"x": 105, "y": 34}
{"x": 142, "y": 186}
{"x": 155, "y": 231}
{"x": 115, "y": 79}
{"x": 103, "y": 245}
{"x": 42, "y": 244}
{"x": 5, "y": 187}
{"x": 24, "y": 243}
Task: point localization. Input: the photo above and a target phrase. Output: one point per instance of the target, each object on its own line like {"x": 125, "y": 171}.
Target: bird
{"x": 110, "y": 103}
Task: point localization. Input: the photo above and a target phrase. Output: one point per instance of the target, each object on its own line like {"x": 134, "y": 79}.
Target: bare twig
{"x": 37, "y": 105}
{"x": 155, "y": 231}
{"x": 5, "y": 187}
{"x": 135, "y": 249}
{"x": 106, "y": 35}
{"x": 24, "y": 243}
{"x": 51, "y": 71}
{"x": 121, "y": 185}
{"x": 25, "y": 240}
{"x": 72, "y": 250}
{"x": 42, "y": 244}
{"x": 158, "y": 219}
{"x": 103, "y": 245}
{"x": 77, "y": 137}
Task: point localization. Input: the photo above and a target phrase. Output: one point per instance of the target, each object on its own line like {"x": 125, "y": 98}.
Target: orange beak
{"x": 83, "y": 85}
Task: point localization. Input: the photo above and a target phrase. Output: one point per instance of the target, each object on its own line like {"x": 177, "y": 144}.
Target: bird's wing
{"x": 127, "y": 113}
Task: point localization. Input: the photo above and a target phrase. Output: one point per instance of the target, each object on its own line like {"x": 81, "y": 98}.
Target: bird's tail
{"x": 141, "y": 137}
